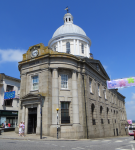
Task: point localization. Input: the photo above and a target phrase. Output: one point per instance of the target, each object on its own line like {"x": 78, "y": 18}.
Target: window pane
{"x": 64, "y": 81}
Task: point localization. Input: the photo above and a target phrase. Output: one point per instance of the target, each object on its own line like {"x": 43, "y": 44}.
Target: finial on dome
{"x": 67, "y": 8}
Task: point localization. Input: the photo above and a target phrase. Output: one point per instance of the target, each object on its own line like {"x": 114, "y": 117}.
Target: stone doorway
{"x": 32, "y": 120}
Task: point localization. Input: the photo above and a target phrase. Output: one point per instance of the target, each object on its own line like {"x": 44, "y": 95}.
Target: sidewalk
{"x": 12, "y": 135}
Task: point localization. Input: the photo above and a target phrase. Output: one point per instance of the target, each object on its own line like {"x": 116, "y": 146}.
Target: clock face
{"x": 34, "y": 53}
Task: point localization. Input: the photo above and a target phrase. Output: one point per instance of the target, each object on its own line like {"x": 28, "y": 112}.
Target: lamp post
{"x": 40, "y": 98}
{"x": 57, "y": 121}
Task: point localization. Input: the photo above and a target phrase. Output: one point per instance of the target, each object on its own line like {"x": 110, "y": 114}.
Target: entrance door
{"x": 32, "y": 120}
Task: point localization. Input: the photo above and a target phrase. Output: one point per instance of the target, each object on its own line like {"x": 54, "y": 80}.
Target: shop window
{"x": 8, "y": 102}
{"x": 64, "y": 81}
{"x": 68, "y": 47}
{"x": 35, "y": 81}
{"x": 82, "y": 47}
{"x": 65, "y": 118}
{"x": 9, "y": 88}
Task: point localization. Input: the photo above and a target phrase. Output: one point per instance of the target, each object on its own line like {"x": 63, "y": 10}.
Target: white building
{"x": 9, "y": 106}
{"x": 70, "y": 38}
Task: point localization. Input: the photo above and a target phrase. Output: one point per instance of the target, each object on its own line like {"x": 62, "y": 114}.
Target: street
{"x": 119, "y": 143}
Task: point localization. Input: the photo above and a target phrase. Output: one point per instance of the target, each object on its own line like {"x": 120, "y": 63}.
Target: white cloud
{"x": 11, "y": 55}
{"x": 130, "y": 108}
{"x": 133, "y": 96}
{"x": 105, "y": 67}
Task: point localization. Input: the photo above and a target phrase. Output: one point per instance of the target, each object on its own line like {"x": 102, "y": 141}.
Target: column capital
{"x": 74, "y": 71}
{"x": 55, "y": 69}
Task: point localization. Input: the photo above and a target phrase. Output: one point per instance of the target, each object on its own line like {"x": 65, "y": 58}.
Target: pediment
{"x": 29, "y": 96}
{"x": 96, "y": 64}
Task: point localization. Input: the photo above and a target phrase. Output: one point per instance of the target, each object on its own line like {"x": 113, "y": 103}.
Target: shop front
{"x": 9, "y": 116}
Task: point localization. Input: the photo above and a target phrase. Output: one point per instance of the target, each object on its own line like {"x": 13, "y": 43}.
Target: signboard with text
{"x": 120, "y": 83}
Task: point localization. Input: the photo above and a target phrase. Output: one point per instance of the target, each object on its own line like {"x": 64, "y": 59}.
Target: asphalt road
{"x": 121, "y": 143}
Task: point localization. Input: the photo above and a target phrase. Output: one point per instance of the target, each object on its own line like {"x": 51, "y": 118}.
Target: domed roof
{"x": 68, "y": 27}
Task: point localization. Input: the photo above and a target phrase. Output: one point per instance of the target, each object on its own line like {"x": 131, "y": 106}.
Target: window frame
{"x": 90, "y": 85}
{"x": 82, "y": 48}
{"x": 99, "y": 90}
{"x": 9, "y": 86}
{"x": 65, "y": 111}
{"x": 64, "y": 81}
{"x": 68, "y": 47}
{"x": 36, "y": 82}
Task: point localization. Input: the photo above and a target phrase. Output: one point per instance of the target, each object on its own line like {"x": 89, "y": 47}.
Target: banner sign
{"x": 119, "y": 83}
{"x": 9, "y": 95}
{"x": 129, "y": 121}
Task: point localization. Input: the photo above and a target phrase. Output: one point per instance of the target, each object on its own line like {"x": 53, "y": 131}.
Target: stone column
{"x": 23, "y": 113}
{"x": 38, "y": 119}
{"x": 75, "y": 102}
{"x": 55, "y": 95}
{"x": 78, "y": 47}
{"x": 60, "y": 46}
{"x": 74, "y": 47}
{"x": 87, "y": 50}
{"x": 26, "y": 121}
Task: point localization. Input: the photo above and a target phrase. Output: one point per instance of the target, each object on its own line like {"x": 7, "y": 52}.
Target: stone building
{"x": 9, "y": 99}
{"x": 68, "y": 79}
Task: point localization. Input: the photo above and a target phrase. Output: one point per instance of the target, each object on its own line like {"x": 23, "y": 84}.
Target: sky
{"x": 110, "y": 24}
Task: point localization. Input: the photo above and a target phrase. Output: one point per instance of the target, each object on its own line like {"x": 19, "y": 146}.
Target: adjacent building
{"x": 9, "y": 99}
{"x": 68, "y": 78}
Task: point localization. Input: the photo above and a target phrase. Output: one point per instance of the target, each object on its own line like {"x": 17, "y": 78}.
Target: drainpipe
{"x": 85, "y": 108}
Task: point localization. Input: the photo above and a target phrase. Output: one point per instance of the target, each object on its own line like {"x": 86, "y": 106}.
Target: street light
{"x": 57, "y": 121}
{"x": 40, "y": 98}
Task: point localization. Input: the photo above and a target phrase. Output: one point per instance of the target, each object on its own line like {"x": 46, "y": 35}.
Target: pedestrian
{"x": 20, "y": 128}
{"x": 23, "y": 128}
{"x": 3, "y": 125}
{"x": 9, "y": 125}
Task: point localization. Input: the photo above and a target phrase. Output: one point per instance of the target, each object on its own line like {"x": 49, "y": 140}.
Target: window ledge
{"x": 91, "y": 93}
{"x": 66, "y": 124}
{"x": 64, "y": 90}
{"x": 34, "y": 90}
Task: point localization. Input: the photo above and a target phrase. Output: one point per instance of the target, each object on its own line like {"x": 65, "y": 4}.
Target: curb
{"x": 36, "y": 139}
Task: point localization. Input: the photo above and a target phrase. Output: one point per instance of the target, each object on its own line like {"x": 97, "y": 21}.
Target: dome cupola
{"x": 70, "y": 38}
{"x": 68, "y": 18}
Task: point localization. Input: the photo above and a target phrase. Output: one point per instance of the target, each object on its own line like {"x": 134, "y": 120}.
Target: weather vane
{"x": 67, "y": 8}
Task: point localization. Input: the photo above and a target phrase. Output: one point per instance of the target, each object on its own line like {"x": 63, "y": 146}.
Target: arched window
{"x": 69, "y": 19}
{"x": 92, "y": 110}
{"x": 82, "y": 47}
{"x": 107, "y": 110}
{"x": 66, "y": 19}
{"x": 101, "y": 109}
{"x": 68, "y": 47}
